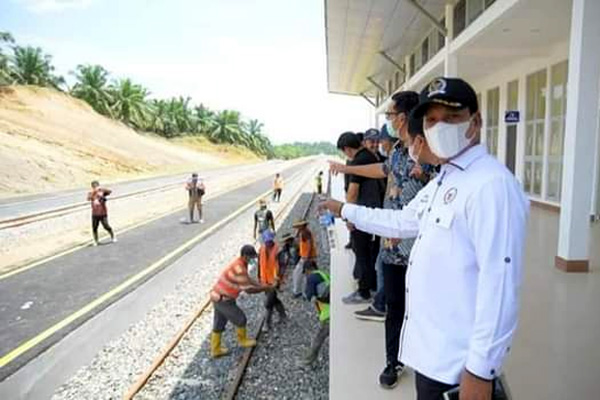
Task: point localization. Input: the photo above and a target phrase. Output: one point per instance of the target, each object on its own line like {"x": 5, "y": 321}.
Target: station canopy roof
{"x": 357, "y": 30}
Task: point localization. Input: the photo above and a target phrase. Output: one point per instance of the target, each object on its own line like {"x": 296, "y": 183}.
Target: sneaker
{"x": 391, "y": 375}
{"x": 201, "y": 221}
{"x": 370, "y": 314}
{"x": 297, "y": 295}
{"x": 355, "y": 298}
{"x": 114, "y": 239}
{"x": 96, "y": 243}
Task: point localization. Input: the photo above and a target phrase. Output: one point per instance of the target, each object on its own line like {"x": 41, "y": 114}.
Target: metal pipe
{"x": 377, "y": 85}
{"x": 368, "y": 99}
{"x": 392, "y": 61}
{"x": 430, "y": 17}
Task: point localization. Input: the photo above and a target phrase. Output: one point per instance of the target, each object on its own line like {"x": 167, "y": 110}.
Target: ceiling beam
{"x": 430, "y": 17}
{"x": 389, "y": 59}
{"x": 371, "y": 102}
{"x": 377, "y": 85}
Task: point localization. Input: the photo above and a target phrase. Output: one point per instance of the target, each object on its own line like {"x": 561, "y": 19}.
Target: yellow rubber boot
{"x": 243, "y": 338}
{"x": 216, "y": 350}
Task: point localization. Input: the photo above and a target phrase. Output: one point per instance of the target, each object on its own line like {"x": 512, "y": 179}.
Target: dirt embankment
{"x": 50, "y": 141}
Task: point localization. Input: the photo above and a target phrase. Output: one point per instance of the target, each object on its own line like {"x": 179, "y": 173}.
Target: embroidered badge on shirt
{"x": 450, "y": 195}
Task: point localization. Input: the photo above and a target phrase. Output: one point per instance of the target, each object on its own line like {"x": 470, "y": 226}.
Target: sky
{"x": 264, "y": 58}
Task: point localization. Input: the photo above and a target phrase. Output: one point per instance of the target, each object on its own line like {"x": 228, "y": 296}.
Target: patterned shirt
{"x": 402, "y": 188}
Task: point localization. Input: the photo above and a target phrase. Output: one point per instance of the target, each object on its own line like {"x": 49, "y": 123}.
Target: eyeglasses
{"x": 390, "y": 114}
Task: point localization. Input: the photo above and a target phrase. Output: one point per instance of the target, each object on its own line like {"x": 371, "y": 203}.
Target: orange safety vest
{"x": 268, "y": 267}
{"x": 232, "y": 280}
{"x": 307, "y": 247}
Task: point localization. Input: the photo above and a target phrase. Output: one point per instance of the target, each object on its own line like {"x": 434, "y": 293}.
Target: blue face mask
{"x": 390, "y": 129}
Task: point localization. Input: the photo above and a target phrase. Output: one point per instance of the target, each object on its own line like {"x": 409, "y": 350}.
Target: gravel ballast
{"x": 189, "y": 372}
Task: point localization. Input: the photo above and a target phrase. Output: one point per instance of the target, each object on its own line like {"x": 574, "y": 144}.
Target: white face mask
{"x": 447, "y": 140}
{"x": 390, "y": 129}
{"x": 382, "y": 150}
{"x": 411, "y": 153}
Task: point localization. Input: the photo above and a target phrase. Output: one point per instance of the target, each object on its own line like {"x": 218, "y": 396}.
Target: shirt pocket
{"x": 443, "y": 218}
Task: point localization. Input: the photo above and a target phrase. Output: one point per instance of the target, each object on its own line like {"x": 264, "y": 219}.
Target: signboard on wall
{"x": 512, "y": 116}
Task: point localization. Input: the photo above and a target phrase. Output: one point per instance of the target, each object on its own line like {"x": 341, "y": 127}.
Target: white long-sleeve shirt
{"x": 464, "y": 273}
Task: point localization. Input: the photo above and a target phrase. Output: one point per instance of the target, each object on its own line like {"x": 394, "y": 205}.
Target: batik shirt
{"x": 402, "y": 188}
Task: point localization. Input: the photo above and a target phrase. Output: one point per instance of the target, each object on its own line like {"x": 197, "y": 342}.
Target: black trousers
{"x": 277, "y": 194}
{"x": 96, "y": 221}
{"x": 394, "y": 288}
{"x": 366, "y": 247}
{"x": 272, "y": 302}
{"x": 429, "y": 389}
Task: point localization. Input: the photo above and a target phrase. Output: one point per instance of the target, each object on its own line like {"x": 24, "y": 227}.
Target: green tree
{"x": 205, "y": 119}
{"x": 5, "y": 75}
{"x": 226, "y": 128}
{"x": 30, "y": 66}
{"x": 92, "y": 87}
{"x": 129, "y": 103}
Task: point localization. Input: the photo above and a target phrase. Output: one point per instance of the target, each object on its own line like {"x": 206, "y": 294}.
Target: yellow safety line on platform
{"x": 31, "y": 343}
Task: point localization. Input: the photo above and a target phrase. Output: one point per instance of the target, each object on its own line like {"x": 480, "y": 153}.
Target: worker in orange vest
{"x": 308, "y": 252}
{"x": 233, "y": 280}
{"x": 270, "y": 273}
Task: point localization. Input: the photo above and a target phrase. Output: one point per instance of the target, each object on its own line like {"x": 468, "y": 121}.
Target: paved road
{"x": 36, "y": 299}
{"x": 16, "y": 207}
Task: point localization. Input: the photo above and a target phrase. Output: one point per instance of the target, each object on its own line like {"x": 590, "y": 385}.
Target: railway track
{"x": 231, "y": 390}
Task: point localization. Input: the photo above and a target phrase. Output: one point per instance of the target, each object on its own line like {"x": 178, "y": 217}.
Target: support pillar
{"x": 450, "y": 60}
{"x": 580, "y": 129}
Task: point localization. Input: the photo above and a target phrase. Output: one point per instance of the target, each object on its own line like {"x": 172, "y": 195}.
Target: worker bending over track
{"x": 270, "y": 273}
{"x": 233, "y": 280}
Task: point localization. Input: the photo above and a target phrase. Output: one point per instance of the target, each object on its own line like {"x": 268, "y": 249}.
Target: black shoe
{"x": 348, "y": 246}
{"x": 390, "y": 376}
{"x": 370, "y": 314}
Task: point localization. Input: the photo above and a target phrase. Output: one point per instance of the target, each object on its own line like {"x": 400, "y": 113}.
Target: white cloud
{"x": 40, "y": 6}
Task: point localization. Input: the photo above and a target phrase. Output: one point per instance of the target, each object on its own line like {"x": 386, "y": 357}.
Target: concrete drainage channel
{"x": 188, "y": 372}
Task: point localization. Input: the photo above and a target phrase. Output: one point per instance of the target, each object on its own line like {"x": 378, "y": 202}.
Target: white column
{"x": 450, "y": 59}
{"x": 581, "y": 119}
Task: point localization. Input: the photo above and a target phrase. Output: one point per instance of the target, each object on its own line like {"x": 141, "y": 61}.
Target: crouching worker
{"x": 232, "y": 281}
{"x": 317, "y": 287}
{"x": 270, "y": 274}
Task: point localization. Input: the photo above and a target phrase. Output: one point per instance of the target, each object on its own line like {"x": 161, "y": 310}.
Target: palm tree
{"x": 92, "y": 87}
{"x": 227, "y": 127}
{"x": 5, "y": 76}
{"x": 30, "y": 66}
{"x": 204, "y": 118}
{"x": 129, "y": 102}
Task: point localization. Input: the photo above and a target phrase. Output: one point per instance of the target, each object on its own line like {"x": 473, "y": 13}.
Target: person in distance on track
{"x": 277, "y": 187}
{"x": 97, "y": 199}
{"x": 263, "y": 220}
{"x": 196, "y": 189}
{"x": 233, "y": 280}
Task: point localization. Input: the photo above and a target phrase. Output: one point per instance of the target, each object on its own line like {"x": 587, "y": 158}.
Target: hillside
{"x": 50, "y": 140}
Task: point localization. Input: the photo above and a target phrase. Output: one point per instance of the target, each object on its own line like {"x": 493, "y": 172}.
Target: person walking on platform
{"x": 97, "y": 198}
{"x": 277, "y": 188}
{"x": 233, "y": 280}
{"x": 465, "y": 268}
{"x": 308, "y": 252}
{"x": 319, "y": 182}
{"x": 270, "y": 274}
{"x": 317, "y": 288}
{"x": 196, "y": 189}
{"x": 263, "y": 220}
{"x": 388, "y": 303}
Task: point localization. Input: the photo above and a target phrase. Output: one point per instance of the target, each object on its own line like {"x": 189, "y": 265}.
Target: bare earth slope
{"x": 50, "y": 140}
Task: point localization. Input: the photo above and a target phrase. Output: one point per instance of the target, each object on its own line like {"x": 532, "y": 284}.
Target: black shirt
{"x": 371, "y": 191}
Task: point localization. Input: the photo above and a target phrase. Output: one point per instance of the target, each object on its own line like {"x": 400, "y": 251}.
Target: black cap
{"x": 371, "y": 134}
{"x": 449, "y": 92}
{"x": 248, "y": 251}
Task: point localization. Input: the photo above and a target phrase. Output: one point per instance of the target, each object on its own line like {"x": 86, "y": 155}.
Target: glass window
{"x": 460, "y": 12}
{"x": 558, "y": 110}
{"x": 474, "y": 9}
{"x": 441, "y": 39}
{"x": 535, "y": 124}
{"x": 492, "y": 117}
{"x": 412, "y": 64}
{"x": 425, "y": 51}
{"x": 397, "y": 79}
